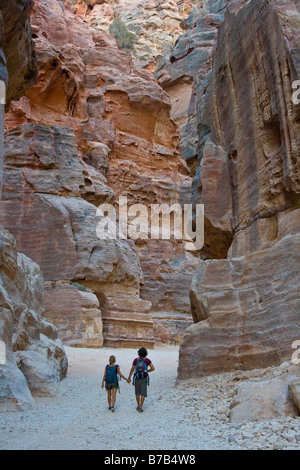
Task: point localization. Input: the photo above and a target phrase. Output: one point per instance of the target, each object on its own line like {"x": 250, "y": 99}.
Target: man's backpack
{"x": 141, "y": 369}
{"x": 111, "y": 374}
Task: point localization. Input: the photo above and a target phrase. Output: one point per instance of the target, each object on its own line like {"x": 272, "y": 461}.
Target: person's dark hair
{"x": 142, "y": 352}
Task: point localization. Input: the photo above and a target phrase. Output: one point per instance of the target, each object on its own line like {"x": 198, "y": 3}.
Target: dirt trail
{"x": 183, "y": 417}
{"x": 80, "y": 419}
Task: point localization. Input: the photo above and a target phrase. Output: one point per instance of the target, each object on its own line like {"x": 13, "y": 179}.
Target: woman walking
{"x": 141, "y": 367}
{"x": 111, "y": 380}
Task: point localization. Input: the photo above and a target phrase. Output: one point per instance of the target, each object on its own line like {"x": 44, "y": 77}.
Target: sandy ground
{"x": 182, "y": 417}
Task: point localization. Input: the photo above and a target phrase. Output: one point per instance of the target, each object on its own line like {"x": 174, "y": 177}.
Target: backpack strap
{"x": 135, "y": 372}
{"x": 118, "y": 378}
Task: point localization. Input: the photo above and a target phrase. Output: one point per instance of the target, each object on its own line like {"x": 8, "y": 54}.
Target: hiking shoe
{"x": 113, "y": 409}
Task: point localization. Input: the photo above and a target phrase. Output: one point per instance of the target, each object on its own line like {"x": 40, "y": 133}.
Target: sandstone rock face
{"x": 17, "y": 45}
{"x": 126, "y": 320}
{"x": 33, "y": 359}
{"x": 31, "y": 341}
{"x": 153, "y": 25}
{"x": 183, "y": 74}
{"x": 263, "y": 182}
{"x": 18, "y": 68}
{"x": 235, "y": 306}
{"x": 94, "y": 127}
{"x": 246, "y": 305}
{"x": 75, "y": 312}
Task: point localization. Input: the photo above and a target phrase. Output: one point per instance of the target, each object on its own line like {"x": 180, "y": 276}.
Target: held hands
{"x": 128, "y": 380}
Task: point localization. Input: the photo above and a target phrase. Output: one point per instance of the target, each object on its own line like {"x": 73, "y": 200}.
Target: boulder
{"x": 294, "y": 390}
{"x": 44, "y": 364}
{"x": 14, "y": 391}
{"x": 258, "y": 401}
{"x": 75, "y": 311}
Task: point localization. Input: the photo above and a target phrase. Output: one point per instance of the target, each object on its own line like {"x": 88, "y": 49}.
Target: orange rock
{"x": 94, "y": 126}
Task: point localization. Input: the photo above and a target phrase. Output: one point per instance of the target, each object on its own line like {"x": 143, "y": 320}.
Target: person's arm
{"x": 152, "y": 368}
{"x": 131, "y": 372}
{"x": 104, "y": 377}
{"x": 122, "y": 376}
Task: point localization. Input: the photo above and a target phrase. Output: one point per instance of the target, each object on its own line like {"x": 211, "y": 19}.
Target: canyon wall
{"x": 146, "y": 29}
{"x": 245, "y": 302}
{"x": 92, "y": 128}
{"x": 33, "y": 360}
{"x": 216, "y": 127}
{"x": 183, "y": 74}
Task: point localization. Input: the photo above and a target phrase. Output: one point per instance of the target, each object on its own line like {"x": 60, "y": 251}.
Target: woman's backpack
{"x": 111, "y": 374}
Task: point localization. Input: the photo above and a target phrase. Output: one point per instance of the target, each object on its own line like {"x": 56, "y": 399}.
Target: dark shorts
{"x": 141, "y": 387}
{"x": 111, "y": 385}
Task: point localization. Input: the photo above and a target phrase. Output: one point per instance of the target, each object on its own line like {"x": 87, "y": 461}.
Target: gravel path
{"x": 182, "y": 417}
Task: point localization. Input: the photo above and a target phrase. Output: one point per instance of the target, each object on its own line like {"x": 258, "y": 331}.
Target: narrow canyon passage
{"x": 80, "y": 419}
{"x": 188, "y": 416}
{"x": 153, "y": 112}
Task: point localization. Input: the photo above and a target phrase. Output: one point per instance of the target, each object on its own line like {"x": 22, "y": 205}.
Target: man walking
{"x": 141, "y": 367}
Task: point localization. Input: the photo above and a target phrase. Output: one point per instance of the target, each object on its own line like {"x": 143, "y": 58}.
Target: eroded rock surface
{"x": 31, "y": 341}
{"x": 17, "y": 46}
{"x": 146, "y": 29}
{"x": 95, "y": 127}
{"x": 246, "y": 305}
{"x": 184, "y": 75}
{"x": 33, "y": 359}
{"x": 262, "y": 400}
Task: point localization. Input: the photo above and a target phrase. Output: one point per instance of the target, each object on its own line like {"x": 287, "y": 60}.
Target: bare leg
{"x": 109, "y": 398}
{"x": 138, "y": 400}
{"x": 142, "y": 402}
{"x": 114, "y": 396}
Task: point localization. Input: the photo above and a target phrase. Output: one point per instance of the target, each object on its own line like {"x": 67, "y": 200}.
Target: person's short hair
{"x": 112, "y": 359}
{"x": 142, "y": 352}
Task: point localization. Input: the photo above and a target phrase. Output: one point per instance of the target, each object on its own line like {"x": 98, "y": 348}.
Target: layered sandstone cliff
{"x": 95, "y": 127}
{"x": 246, "y": 306}
{"x": 147, "y": 29}
{"x": 183, "y": 74}
{"x": 33, "y": 360}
